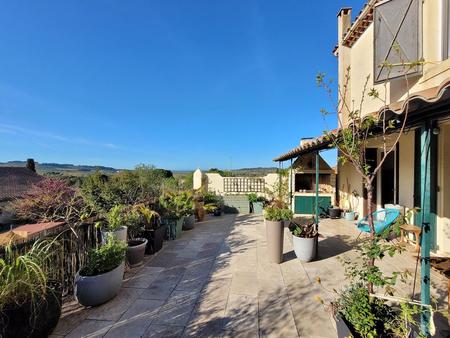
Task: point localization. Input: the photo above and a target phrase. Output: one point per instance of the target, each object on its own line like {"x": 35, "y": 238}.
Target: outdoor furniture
{"x": 382, "y": 219}
{"x": 410, "y": 228}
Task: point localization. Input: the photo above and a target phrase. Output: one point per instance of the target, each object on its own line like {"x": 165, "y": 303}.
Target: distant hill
{"x": 72, "y": 169}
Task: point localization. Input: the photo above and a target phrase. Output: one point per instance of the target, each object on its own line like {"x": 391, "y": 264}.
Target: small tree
{"x": 352, "y": 138}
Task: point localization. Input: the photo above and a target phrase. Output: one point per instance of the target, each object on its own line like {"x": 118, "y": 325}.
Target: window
{"x": 397, "y": 38}
{"x": 445, "y": 29}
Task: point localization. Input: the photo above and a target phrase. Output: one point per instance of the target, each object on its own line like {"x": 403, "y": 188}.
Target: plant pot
{"x": 349, "y": 215}
{"x": 199, "y": 211}
{"x": 179, "y": 226}
{"x": 189, "y": 222}
{"x": 136, "y": 251}
{"x": 96, "y": 290}
{"x": 217, "y": 212}
{"x": 155, "y": 239}
{"x": 334, "y": 212}
{"x": 342, "y": 328}
{"x": 274, "y": 235}
{"x": 257, "y": 208}
{"x": 120, "y": 234}
{"x": 29, "y": 320}
{"x": 305, "y": 248}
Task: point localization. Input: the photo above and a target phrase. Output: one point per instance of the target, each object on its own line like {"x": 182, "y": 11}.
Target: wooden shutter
{"x": 397, "y": 38}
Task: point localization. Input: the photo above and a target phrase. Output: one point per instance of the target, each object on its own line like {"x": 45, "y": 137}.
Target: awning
{"x": 425, "y": 104}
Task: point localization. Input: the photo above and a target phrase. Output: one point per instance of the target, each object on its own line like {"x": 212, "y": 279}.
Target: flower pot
{"x": 199, "y": 211}
{"x": 305, "y": 248}
{"x": 179, "y": 226}
{"x": 334, "y": 212}
{"x": 136, "y": 251}
{"x": 342, "y": 328}
{"x": 257, "y": 208}
{"x": 217, "y": 212}
{"x": 274, "y": 235}
{"x": 36, "y": 319}
{"x": 120, "y": 234}
{"x": 96, "y": 290}
{"x": 189, "y": 222}
{"x": 349, "y": 215}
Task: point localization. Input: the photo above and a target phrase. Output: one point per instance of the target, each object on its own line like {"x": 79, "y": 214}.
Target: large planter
{"x": 257, "y": 208}
{"x": 199, "y": 211}
{"x": 120, "y": 234}
{"x": 274, "y": 235}
{"x": 136, "y": 251}
{"x": 334, "y": 213}
{"x": 349, "y": 215}
{"x": 96, "y": 290}
{"x": 155, "y": 239}
{"x": 305, "y": 248}
{"x": 189, "y": 222}
{"x": 179, "y": 226}
{"x": 342, "y": 328}
{"x": 32, "y": 320}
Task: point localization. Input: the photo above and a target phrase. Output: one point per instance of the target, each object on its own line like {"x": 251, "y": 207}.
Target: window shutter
{"x": 397, "y": 38}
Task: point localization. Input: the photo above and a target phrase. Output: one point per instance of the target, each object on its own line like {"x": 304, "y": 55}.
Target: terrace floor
{"x": 215, "y": 281}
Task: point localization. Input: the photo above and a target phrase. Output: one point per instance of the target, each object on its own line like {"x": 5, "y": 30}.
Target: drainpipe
{"x": 317, "y": 191}
{"x": 425, "y": 238}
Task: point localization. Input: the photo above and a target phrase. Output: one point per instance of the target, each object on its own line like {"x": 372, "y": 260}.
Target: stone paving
{"x": 215, "y": 281}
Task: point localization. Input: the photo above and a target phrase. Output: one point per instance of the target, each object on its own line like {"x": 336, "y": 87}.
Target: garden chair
{"x": 382, "y": 220}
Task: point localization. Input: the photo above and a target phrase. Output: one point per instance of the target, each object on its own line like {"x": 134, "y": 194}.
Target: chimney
{"x": 344, "y": 55}
{"x": 344, "y": 22}
{"x": 31, "y": 165}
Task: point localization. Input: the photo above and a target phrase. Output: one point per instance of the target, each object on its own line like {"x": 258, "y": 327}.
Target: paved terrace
{"x": 215, "y": 281}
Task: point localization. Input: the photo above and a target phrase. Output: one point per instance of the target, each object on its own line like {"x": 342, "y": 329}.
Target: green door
{"x": 306, "y": 204}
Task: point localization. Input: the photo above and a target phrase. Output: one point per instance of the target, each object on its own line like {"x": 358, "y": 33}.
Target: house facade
{"x": 383, "y": 43}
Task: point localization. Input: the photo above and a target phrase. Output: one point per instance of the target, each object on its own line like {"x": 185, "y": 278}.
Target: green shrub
{"x": 366, "y": 314}
{"x": 276, "y": 214}
{"x": 104, "y": 259}
{"x": 24, "y": 278}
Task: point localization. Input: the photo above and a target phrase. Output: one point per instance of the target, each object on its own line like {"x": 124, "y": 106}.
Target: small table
{"x": 408, "y": 228}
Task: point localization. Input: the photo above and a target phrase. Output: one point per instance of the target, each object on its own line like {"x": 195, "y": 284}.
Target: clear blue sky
{"x": 179, "y": 84}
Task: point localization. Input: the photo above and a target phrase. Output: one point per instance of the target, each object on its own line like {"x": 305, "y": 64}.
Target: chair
{"x": 382, "y": 219}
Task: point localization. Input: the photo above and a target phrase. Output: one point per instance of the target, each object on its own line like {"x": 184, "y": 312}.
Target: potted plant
{"x": 275, "y": 216}
{"x": 136, "y": 243}
{"x": 184, "y": 202}
{"x": 152, "y": 228}
{"x": 116, "y": 223}
{"x": 172, "y": 210}
{"x": 199, "y": 206}
{"x": 304, "y": 238}
{"x": 30, "y": 291}
{"x": 256, "y": 203}
{"x": 100, "y": 278}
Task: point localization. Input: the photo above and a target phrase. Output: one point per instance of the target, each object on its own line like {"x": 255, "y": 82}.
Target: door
{"x": 388, "y": 180}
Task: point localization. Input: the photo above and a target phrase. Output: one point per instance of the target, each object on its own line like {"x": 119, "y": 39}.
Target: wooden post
{"x": 317, "y": 191}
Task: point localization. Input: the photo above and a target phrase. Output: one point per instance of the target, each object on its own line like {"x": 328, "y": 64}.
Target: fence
{"x": 75, "y": 241}
{"x": 243, "y": 184}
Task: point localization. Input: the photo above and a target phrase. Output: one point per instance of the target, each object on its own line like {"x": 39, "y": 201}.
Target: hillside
{"x": 64, "y": 168}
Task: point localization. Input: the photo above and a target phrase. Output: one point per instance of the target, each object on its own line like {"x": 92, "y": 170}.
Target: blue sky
{"x": 178, "y": 84}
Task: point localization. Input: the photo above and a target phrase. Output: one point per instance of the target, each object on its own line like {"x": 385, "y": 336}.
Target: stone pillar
{"x": 197, "y": 179}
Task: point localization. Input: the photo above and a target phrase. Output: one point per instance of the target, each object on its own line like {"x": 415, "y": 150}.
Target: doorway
{"x": 388, "y": 180}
